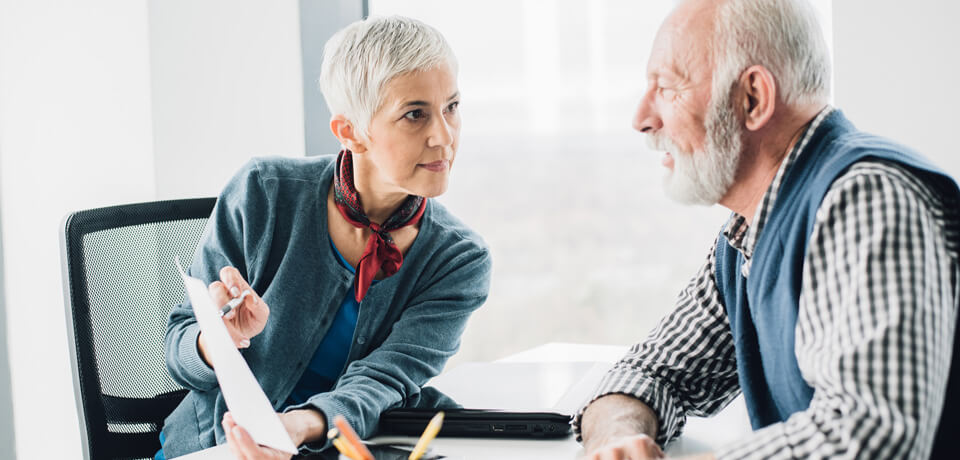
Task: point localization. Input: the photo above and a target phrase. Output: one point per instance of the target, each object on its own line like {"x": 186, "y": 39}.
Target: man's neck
{"x": 764, "y": 153}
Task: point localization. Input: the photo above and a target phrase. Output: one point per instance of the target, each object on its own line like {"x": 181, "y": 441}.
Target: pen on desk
{"x": 430, "y": 432}
{"x": 234, "y": 302}
{"x": 351, "y": 437}
{"x": 342, "y": 446}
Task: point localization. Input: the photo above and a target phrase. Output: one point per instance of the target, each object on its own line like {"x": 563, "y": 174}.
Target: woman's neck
{"x": 378, "y": 200}
{"x": 380, "y": 206}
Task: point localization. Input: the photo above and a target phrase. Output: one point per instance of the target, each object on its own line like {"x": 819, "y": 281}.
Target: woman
{"x": 361, "y": 285}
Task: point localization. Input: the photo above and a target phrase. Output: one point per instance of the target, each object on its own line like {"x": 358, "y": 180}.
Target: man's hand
{"x": 636, "y": 447}
{"x": 621, "y": 427}
{"x": 618, "y": 426}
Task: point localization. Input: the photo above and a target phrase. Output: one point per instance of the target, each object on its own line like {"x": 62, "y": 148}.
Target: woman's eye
{"x": 452, "y": 108}
{"x": 414, "y": 115}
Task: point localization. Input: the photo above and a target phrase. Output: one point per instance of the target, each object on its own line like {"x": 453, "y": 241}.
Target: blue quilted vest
{"x": 762, "y": 309}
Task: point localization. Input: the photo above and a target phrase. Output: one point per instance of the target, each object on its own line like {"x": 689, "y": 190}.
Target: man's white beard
{"x": 704, "y": 177}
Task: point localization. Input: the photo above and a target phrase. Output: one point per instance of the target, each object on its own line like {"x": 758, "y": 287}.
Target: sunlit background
{"x": 586, "y": 246}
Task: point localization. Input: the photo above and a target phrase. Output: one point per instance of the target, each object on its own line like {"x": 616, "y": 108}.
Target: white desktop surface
{"x": 700, "y": 434}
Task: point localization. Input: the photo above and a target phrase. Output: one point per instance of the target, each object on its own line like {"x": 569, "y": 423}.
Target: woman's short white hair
{"x": 784, "y": 36}
{"x": 360, "y": 59}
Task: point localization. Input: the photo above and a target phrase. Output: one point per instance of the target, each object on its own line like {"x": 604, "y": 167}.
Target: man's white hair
{"x": 360, "y": 59}
{"x": 784, "y": 36}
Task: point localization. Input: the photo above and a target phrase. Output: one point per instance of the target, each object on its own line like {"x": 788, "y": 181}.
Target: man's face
{"x": 684, "y": 116}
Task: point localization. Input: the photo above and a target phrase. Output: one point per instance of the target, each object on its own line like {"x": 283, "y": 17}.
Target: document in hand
{"x": 247, "y": 403}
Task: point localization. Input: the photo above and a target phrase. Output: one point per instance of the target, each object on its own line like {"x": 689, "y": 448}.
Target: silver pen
{"x": 234, "y": 302}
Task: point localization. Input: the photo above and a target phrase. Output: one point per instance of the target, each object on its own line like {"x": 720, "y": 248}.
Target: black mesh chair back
{"x": 120, "y": 283}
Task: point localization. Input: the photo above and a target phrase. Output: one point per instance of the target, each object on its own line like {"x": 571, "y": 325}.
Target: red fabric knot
{"x": 381, "y": 253}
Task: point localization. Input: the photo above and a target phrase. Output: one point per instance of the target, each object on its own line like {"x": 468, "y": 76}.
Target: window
{"x": 586, "y": 246}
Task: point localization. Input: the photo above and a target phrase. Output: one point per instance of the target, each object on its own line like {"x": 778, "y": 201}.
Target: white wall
{"x": 226, "y": 86}
{"x": 7, "y": 439}
{"x": 114, "y": 101}
{"x": 74, "y": 133}
{"x": 897, "y": 71}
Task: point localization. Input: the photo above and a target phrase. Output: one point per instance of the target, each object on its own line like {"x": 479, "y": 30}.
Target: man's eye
{"x": 414, "y": 115}
{"x": 667, "y": 92}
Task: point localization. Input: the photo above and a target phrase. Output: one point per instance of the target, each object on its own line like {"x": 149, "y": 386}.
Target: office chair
{"x": 120, "y": 283}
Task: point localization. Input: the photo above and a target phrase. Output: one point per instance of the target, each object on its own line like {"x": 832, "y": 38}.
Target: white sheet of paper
{"x": 247, "y": 403}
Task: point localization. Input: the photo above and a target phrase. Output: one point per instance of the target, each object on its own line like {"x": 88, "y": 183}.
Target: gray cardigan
{"x": 271, "y": 223}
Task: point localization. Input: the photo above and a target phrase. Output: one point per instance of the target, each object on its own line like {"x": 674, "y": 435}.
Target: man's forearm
{"x": 616, "y": 415}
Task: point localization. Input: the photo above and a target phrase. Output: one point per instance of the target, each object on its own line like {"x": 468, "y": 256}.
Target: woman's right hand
{"x": 248, "y": 318}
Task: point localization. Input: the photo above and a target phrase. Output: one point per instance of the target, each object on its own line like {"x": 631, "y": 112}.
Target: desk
{"x": 700, "y": 434}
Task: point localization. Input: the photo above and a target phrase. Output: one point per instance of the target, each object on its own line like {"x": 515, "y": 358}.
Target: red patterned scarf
{"x": 381, "y": 252}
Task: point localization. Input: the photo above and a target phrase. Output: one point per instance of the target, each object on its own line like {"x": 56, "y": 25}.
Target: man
{"x": 829, "y": 297}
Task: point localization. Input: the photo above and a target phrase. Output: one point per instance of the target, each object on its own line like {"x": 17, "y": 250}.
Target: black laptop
{"x": 504, "y": 400}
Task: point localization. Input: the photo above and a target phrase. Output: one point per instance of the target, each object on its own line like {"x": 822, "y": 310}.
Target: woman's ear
{"x": 759, "y": 92}
{"x": 343, "y": 129}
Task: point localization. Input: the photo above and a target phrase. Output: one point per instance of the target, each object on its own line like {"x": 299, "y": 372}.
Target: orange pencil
{"x": 342, "y": 446}
{"x": 351, "y": 436}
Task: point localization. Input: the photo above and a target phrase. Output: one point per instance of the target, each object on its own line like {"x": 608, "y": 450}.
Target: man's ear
{"x": 346, "y": 134}
{"x": 759, "y": 93}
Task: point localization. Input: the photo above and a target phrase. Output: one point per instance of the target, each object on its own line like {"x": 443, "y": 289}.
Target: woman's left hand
{"x": 243, "y": 447}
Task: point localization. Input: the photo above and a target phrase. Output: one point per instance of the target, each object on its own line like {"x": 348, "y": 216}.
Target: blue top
{"x": 762, "y": 309}
{"x": 270, "y": 222}
{"x": 331, "y": 356}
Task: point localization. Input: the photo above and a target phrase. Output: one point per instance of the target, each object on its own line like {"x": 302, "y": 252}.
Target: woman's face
{"x": 414, "y": 135}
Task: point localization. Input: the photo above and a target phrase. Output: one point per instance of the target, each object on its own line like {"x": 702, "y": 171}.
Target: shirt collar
{"x": 739, "y": 234}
